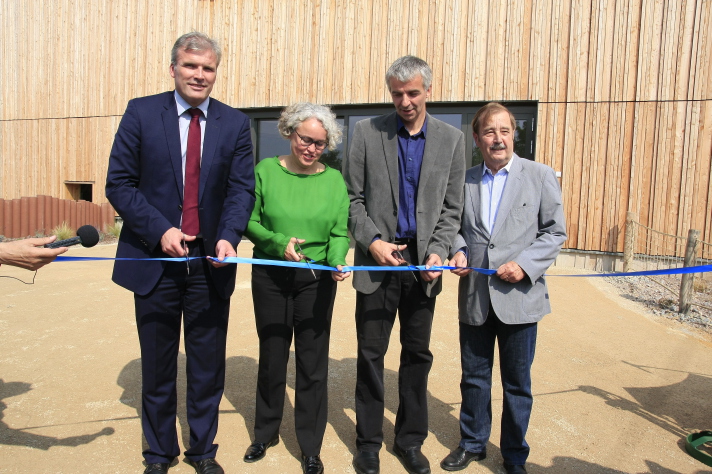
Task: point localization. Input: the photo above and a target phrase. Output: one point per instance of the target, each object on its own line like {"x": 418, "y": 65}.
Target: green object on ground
{"x": 698, "y": 439}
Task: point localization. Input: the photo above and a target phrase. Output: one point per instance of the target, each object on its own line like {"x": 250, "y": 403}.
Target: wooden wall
{"x": 624, "y": 86}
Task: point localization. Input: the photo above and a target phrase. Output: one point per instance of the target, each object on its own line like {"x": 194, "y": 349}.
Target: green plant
{"x": 115, "y": 229}
{"x": 63, "y": 231}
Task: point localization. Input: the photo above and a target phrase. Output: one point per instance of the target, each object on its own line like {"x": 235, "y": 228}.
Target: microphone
{"x": 87, "y": 235}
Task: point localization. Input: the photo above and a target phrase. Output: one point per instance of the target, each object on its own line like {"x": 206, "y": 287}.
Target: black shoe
{"x": 207, "y": 466}
{"x": 257, "y": 450}
{"x": 312, "y": 465}
{"x": 413, "y": 460}
{"x": 515, "y": 468}
{"x": 460, "y": 459}
{"x": 156, "y": 468}
{"x": 367, "y": 462}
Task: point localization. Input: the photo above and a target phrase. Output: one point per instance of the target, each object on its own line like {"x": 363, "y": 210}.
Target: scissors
{"x": 404, "y": 262}
{"x": 299, "y": 247}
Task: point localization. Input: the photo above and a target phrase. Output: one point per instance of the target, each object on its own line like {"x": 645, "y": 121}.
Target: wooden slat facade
{"x": 624, "y": 86}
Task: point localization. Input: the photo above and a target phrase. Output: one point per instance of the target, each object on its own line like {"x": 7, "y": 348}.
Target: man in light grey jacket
{"x": 404, "y": 175}
{"x": 513, "y": 222}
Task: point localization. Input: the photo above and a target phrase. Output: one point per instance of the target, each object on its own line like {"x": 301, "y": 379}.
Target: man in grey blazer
{"x": 404, "y": 175}
{"x": 513, "y": 222}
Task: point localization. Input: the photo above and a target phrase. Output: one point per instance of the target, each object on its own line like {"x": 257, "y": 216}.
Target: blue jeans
{"x": 516, "y": 354}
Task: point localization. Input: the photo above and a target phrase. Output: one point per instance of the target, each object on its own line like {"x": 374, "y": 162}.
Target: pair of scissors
{"x": 299, "y": 247}
{"x": 404, "y": 262}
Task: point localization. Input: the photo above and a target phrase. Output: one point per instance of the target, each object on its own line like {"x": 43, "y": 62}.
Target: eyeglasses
{"x": 307, "y": 142}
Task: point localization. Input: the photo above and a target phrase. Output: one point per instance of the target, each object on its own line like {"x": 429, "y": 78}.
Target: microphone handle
{"x": 64, "y": 243}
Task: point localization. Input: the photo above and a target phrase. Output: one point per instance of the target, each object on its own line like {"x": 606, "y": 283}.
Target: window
{"x": 80, "y": 190}
{"x": 269, "y": 143}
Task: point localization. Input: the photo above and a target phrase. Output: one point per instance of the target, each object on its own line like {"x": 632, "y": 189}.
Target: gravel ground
{"x": 660, "y": 294}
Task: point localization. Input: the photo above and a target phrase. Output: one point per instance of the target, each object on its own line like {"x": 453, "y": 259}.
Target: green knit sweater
{"x": 312, "y": 207}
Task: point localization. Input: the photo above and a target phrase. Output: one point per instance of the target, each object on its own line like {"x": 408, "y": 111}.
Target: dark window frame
{"x": 522, "y": 110}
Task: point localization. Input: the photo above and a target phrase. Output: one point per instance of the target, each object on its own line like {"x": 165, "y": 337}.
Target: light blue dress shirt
{"x": 491, "y": 189}
{"x": 184, "y": 125}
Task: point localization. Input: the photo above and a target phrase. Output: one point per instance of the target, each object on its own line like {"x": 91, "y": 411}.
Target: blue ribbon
{"x": 403, "y": 268}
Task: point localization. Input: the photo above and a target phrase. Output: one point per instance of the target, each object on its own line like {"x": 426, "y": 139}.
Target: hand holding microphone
{"x": 87, "y": 235}
{"x": 29, "y": 254}
{"x": 32, "y": 254}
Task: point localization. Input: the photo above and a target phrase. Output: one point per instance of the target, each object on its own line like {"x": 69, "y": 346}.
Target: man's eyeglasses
{"x": 307, "y": 142}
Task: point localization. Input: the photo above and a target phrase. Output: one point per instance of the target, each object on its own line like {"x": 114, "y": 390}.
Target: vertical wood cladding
{"x": 624, "y": 87}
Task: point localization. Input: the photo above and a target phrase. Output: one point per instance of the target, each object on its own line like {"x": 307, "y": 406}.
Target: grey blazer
{"x": 529, "y": 230}
{"x": 371, "y": 174}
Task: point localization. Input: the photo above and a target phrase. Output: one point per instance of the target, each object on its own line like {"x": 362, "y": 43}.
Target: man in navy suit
{"x": 181, "y": 198}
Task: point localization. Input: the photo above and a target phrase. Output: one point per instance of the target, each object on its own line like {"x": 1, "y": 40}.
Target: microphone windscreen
{"x": 89, "y": 235}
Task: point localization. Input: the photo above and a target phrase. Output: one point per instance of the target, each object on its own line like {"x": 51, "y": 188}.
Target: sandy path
{"x": 615, "y": 391}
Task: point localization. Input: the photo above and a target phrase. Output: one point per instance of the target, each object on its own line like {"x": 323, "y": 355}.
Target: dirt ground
{"x": 616, "y": 390}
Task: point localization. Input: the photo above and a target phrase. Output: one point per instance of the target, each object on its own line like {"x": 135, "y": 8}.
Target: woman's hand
{"x": 340, "y": 276}
{"x": 290, "y": 254}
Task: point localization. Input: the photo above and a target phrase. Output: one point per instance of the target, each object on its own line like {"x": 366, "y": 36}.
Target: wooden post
{"x": 686, "y": 285}
{"x": 631, "y": 231}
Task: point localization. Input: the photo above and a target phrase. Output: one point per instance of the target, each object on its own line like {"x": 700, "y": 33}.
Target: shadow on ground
{"x": 21, "y": 437}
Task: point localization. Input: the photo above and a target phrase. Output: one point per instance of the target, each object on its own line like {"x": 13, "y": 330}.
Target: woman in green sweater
{"x": 301, "y": 211}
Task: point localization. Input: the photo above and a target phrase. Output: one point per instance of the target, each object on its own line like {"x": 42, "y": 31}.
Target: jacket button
{"x": 395, "y": 213}
{"x": 180, "y": 208}
{"x": 491, "y": 246}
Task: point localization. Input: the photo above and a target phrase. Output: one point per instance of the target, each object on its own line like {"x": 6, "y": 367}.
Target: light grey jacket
{"x": 371, "y": 174}
{"x": 529, "y": 230}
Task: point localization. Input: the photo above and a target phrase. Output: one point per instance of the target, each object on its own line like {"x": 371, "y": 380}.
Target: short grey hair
{"x": 195, "y": 41}
{"x": 406, "y": 68}
{"x": 295, "y": 114}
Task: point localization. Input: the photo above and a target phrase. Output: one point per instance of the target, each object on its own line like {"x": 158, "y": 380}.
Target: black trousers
{"x": 191, "y": 299}
{"x": 291, "y": 301}
{"x": 400, "y": 292}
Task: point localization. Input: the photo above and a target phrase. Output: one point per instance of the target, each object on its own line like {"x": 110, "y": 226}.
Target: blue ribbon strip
{"x": 404, "y": 268}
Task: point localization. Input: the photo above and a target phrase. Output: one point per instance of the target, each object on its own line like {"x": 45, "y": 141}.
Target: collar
{"x": 507, "y": 167}
{"x": 401, "y": 127}
{"x": 183, "y": 105}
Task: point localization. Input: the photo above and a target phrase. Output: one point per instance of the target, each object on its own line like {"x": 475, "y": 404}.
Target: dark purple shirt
{"x": 410, "y": 159}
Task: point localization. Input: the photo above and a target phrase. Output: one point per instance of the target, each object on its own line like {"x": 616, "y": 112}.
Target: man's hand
{"x": 459, "y": 260}
{"x": 29, "y": 253}
{"x": 510, "y": 272}
{"x": 223, "y": 249}
{"x": 290, "y": 254}
{"x": 432, "y": 261}
{"x": 340, "y": 276}
{"x": 386, "y": 254}
{"x": 172, "y": 242}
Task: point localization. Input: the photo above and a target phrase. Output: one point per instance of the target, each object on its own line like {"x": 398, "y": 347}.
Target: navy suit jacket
{"x": 145, "y": 185}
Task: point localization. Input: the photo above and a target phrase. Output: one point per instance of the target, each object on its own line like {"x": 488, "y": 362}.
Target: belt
{"x": 408, "y": 241}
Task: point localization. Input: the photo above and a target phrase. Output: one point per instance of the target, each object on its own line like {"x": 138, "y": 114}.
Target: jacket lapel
{"x": 210, "y": 142}
{"x": 389, "y": 136}
{"x": 170, "y": 126}
{"x": 475, "y": 177}
{"x": 511, "y": 190}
